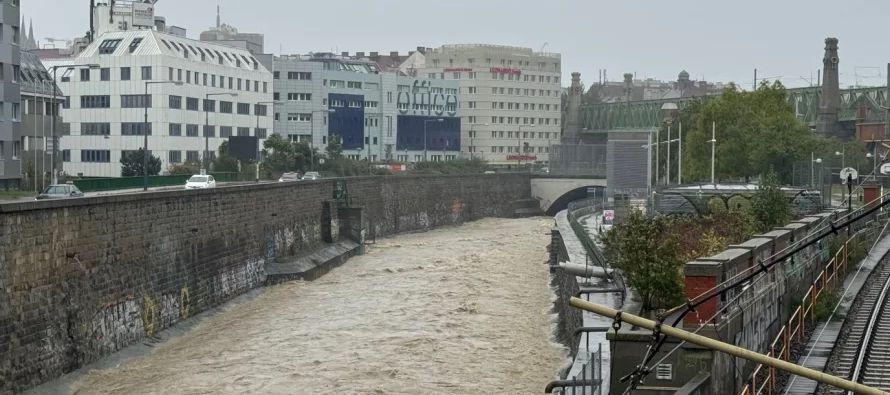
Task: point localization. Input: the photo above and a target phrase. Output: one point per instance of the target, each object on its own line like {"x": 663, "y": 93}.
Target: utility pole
{"x": 668, "y": 175}
{"x": 680, "y": 156}
{"x": 713, "y": 151}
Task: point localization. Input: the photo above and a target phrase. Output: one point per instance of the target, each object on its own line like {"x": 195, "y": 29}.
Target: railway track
{"x": 863, "y": 355}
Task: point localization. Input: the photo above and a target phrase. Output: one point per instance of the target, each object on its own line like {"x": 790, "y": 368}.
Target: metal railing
{"x": 590, "y": 380}
{"x": 763, "y": 379}
{"x": 111, "y": 184}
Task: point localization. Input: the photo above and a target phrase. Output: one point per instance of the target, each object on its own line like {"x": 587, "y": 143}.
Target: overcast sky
{"x": 713, "y": 40}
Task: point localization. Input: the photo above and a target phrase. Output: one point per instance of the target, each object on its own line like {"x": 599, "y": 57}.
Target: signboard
{"x": 506, "y": 70}
{"x": 851, "y": 172}
{"x": 244, "y": 148}
{"x": 885, "y": 169}
{"x": 143, "y": 14}
{"x": 608, "y": 217}
{"x": 458, "y": 69}
{"x": 522, "y": 157}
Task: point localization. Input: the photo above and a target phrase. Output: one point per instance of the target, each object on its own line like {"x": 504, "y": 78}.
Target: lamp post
{"x": 813, "y": 161}
{"x": 668, "y": 110}
{"x": 425, "y": 123}
{"x": 207, "y": 97}
{"x": 257, "y": 164}
{"x": 519, "y": 138}
{"x": 91, "y": 66}
{"x": 145, "y": 127}
{"x": 713, "y": 142}
{"x": 843, "y": 155}
{"x": 312, "y": 132}
{"x": 472, "y": 136}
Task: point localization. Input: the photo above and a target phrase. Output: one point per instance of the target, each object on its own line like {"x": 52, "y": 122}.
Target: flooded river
{"x": 462, "y": 310}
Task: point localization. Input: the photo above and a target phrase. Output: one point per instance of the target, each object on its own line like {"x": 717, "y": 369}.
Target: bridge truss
{"x": 856, "y": 104}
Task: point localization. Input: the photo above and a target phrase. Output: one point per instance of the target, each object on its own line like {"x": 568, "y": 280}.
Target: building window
{"x": 174, "y": 156}
{"x": 176, "y": 129}
{"x": 265, "y": 87}
{"x": 105, "y": 74}
{"x": 66, "y": 155}
{"x": 243, "y": 132}
{"x": 99, "y": 101}
{"x": 225, "y": 107}
{"x": 107, "y": 47}
{"x": 354, "y": 84}
{"x": 191, "y": 156}
{"x": 277, "y": 116}
{"x": 135, "y": 101}
{"x": 239, "y": 84}
{"x": 225, "y": 131}
{"x": 276, "y": 75}
{"x": 95, "y": 156}
{"x": 191, "y": 130}
{"x": 95, "y": 129}
{"x": 146, "y": 72}
{"x": 260, "y": 110}
{"x": 299, "y": 96}
{"x": 302, "y": 76}
{"x": 175, "y": 102}
{"x": 209, "y": 131}
{"x": 260, "y": 133}
{"x": 243, "y": 109}
{"x": 135, "y": 128}
{"x": 84, "y": 74}
{"x": 209, "y": 105}
{"x": 295, "y": 117}
{"x": 191, "y": 103}
{"x": 276, "y": 96}
{"x": 66, "y": 104}
{"x": 337, "y": 84}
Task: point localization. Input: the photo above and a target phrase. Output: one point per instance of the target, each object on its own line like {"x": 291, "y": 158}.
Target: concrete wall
{"x": 82, "y": 278}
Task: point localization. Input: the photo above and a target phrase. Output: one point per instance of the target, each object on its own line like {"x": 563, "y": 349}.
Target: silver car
{"x": 64, "y": 191}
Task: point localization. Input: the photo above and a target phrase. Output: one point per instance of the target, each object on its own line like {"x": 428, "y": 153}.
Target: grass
{"x": 14, "y": 195}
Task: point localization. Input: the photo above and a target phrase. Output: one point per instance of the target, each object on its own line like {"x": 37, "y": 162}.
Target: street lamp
{"x": 425, "y": 123}
{"x": 668, "y": 109}
{"x": 713, "y": 142}
{"x": 55, "y": 178}
{"x": 145, "y": 100}
{"x": 207, "y": 97}
{"x": 472, "y": 136}
{"x": 519, "y": 138}
{"x": 312, "y": 137}
{"x": 813, "y": 161}
{"x": 257, "y": 164}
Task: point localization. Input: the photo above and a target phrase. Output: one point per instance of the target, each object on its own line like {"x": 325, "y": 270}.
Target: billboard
{"x": 143, "y": 14}
{"x": 244, "y": 148}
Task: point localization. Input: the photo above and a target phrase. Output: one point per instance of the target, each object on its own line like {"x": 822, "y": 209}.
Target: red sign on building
{"x": 522, "y": 157}
{"x": 505, "y": 70}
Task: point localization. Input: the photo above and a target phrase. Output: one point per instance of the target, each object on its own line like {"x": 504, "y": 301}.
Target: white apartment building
{"x": 198, "y": 93}
{"x": 510, "y": 99}
{"x": 378, "y": 115}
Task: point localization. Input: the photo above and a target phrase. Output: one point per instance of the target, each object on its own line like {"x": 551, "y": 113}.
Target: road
{"x": 462, "y": 310}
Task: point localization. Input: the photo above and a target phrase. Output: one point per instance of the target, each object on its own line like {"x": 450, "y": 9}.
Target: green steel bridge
{"x": 647, "y": 113}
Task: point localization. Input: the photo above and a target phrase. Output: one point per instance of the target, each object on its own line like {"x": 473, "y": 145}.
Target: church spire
{"x": 218, "y": 21}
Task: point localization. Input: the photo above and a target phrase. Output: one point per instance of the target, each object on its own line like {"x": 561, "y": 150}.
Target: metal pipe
{"x": 726, "y": 348}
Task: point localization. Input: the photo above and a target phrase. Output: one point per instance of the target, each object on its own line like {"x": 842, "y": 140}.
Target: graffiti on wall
{"x": 424, "y": 99}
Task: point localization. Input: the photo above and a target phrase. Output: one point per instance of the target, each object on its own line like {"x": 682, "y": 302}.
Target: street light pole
{"x": 680, "y": 155}
{"x": 207, "y": 97}
{"x": 145, "y": 127}
{"x": 713, "y": 151}
{"x": 668, "y": 176}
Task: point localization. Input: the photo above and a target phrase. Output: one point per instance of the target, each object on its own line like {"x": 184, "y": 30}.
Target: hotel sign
{"x": 506, "y": 70}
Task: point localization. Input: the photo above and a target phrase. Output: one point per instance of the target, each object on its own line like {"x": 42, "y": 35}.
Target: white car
{"x": 200, "y": 182}
{"x": 311, "y": 176}
{"x": 286, "y": 177}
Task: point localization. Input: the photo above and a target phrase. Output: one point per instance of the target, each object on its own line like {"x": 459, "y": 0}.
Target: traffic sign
{"x": 885, "y": 169}
{"x": 849, "y": 172}
{"x": 608, "y": 216}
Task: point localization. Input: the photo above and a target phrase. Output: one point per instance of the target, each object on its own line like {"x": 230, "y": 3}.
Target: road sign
{"x": 608, "y": 217}
{"x": 849, "y": 172}
{"x": 885, "y": 169}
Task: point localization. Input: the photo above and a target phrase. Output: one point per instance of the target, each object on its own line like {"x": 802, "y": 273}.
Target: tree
{"x": 756, "y": 132}
{"x": 131, "y": 164}
{"x": 770, "y": 205}
{"x": 334, "y": 148}
{"x": 648, "y": 253}
{"x": 225, "y": 163}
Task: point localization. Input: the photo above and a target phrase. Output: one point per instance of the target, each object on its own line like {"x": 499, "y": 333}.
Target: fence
{"x": 763, "y": 379}
{"x": 111, "y": 184}
{"x": 589, "y": 381}
{"x": 578, "y": 160}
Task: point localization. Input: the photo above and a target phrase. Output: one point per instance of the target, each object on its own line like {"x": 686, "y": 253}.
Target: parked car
{"x": 200, "y": 182}
{"x": 311, "y": 176}
{"x": 64, "y": 191}
{"x": 287, "y": 177}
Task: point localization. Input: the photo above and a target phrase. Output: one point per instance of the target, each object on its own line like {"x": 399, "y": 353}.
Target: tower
{"x": 829, "y": 105}
{"x": 628, "y": 86}
{"x": 573, "y": 112}
{"x": 218, "y": 19}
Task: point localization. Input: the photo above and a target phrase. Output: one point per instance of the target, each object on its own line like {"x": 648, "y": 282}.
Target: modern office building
{"x": 10, "y": 97}
{"x": 510, "y": 99}
{"x": 224, "y": 92}
{"x": 378, "y": 115}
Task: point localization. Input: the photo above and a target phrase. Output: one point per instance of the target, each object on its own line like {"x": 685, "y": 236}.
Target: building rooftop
{"x": 35, "y": 78}
{"x": 520, "y": 50}
{"x": 150, "y": 42}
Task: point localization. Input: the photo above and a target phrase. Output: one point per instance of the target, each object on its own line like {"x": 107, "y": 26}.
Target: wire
{"x": 836, "y": 306}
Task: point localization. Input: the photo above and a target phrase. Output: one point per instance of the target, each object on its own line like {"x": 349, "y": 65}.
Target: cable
{"x": 836, "y": 306}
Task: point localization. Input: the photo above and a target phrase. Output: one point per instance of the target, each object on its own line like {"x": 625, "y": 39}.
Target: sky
{"x": 713, "y": 40}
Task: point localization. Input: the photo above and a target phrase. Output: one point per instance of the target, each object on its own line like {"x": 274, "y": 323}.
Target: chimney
{"x": 344, "y": 54}
{"x": 360, "y": 54}
{"x": 827, "y": 123}
{"x": 373, "y": 54}
{"x": 394, "y": 54}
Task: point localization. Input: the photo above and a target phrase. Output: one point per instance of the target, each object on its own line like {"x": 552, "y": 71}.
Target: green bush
{"x": 825, "y": 305}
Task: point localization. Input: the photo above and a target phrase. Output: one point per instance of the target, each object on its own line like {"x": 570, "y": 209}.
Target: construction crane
{"x": 544, "y": 46}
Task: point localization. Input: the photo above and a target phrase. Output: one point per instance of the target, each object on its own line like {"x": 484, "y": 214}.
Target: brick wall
{"x": 80, "y": 279}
